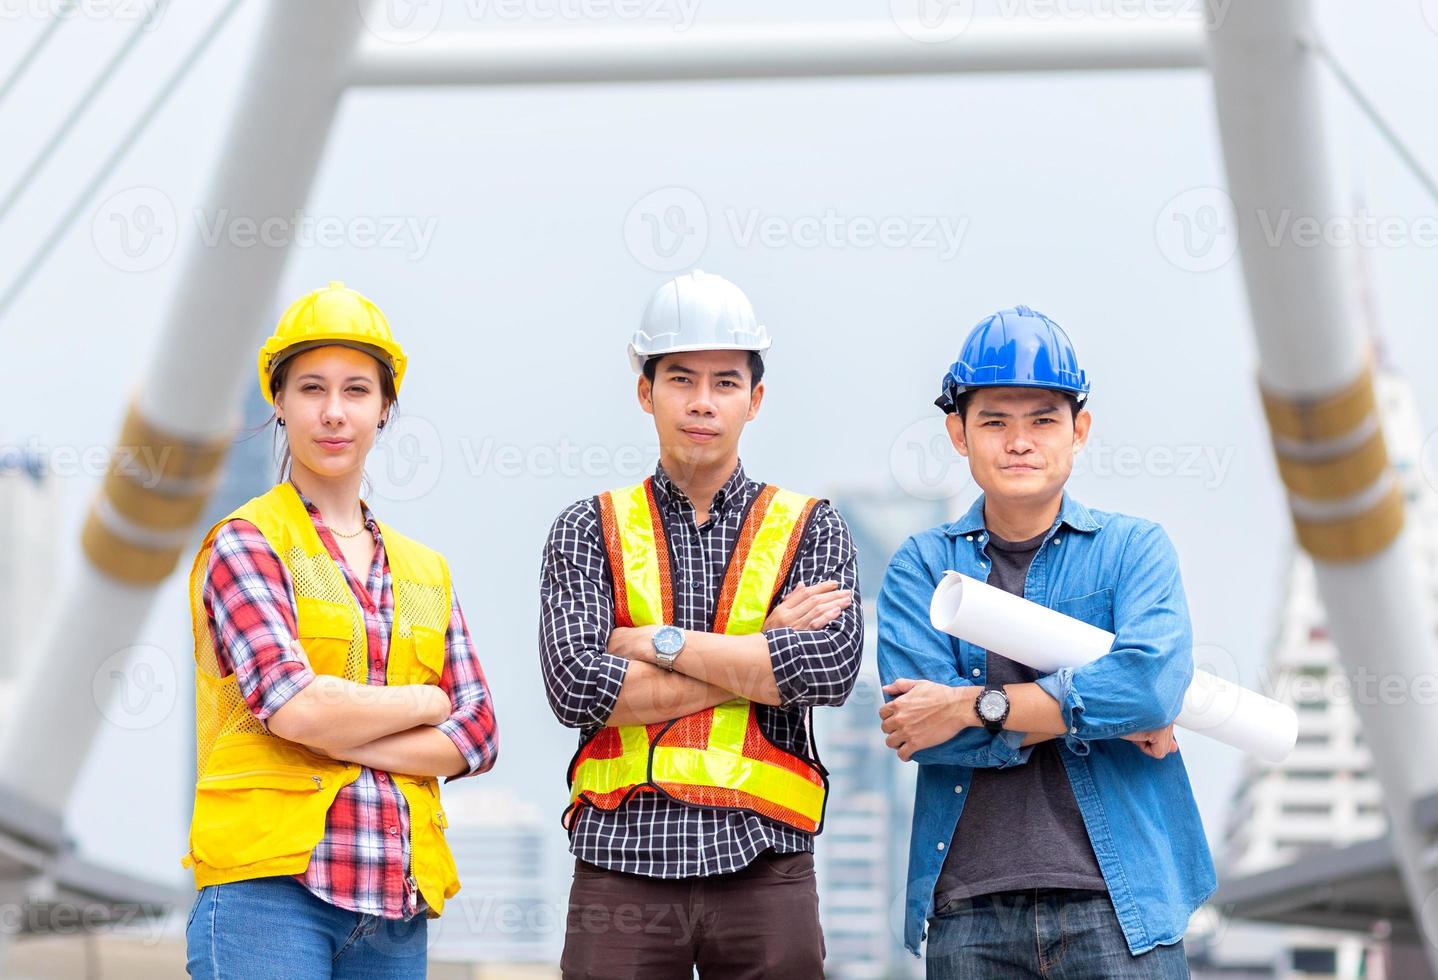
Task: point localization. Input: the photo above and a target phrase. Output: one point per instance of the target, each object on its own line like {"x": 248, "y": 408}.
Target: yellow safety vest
{"x": 260, "y": 800}
{"x": 718, "y": 757}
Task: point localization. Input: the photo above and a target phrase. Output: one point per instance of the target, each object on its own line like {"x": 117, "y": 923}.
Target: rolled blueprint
{"x": 1045, "y": 640}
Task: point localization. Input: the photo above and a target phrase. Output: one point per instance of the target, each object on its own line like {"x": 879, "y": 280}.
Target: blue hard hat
{"x": 1018, "y": 348}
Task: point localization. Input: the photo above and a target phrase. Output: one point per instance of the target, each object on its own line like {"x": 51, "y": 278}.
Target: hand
{"x": 810, "y": 607}
{"x": 300, "y": 654}
{"x": 633, "y": 643}
{"x": 1155, "y": 744}
{"x": 923, "y": 714}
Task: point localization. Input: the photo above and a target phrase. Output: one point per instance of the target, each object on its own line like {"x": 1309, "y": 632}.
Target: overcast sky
{"x": 513, "y": 235}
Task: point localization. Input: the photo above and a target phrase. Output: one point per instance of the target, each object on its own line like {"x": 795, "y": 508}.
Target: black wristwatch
{"x": 992, "y": 707}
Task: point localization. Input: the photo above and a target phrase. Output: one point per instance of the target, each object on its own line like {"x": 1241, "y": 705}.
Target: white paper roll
{"x": 1045, "y": 640}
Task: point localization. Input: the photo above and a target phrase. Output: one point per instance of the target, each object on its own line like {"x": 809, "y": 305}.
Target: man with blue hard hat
{"x": 1055, "y": 832}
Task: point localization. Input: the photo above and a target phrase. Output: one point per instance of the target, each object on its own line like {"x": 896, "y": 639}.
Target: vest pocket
{"x": 429, "y": 651}
{"x": 251, "y": 815}
{"x": 432, "y": 862}
{"x": 325, "y": 630}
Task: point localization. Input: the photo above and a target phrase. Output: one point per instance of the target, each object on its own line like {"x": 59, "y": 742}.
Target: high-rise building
{"x": 1325, "y": 794}
{"x": 862, "y": 855}
{"x": 29, "y": 542}
{"x": 505, "y": 912}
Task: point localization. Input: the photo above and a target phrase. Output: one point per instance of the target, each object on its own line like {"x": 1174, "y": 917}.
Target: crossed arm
{"x": 389, "y": 728}
{"x": 443, "y": 729}
{"x": 597, "y": 674}
{"x": 931, "y": 715}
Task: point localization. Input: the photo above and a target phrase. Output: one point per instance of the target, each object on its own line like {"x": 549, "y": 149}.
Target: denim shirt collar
{"x": 1071, "y": 512}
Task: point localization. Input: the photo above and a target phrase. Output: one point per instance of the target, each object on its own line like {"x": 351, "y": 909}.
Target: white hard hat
{"x": 696, "y": 311}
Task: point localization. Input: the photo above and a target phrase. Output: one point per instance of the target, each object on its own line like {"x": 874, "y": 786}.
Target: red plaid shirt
{"x": 363, "y": 862}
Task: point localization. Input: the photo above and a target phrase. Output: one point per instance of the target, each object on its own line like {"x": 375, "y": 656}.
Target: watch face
{"x": 669, "y": 640}
{"x": 991, "y": 705}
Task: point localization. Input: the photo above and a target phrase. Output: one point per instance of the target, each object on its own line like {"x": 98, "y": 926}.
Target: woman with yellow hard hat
{"x": 335, "y": 681}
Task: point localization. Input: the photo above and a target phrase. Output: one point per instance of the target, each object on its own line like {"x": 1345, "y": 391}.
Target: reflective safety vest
{"x": 716, "y": 758}
{"x": 261, "y": 801}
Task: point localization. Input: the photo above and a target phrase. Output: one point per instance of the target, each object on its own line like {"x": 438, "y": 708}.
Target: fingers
{"x": 895, "y": 740}
{"x": 804, "y": 593}
{"x": 299, "y": 651}
{"x": 816, "y": 611}
{"x": 903, "y": 685}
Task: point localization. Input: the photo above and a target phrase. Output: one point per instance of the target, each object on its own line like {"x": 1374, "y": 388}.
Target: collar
{"x": 729, "y": 491}
{"x": 314, "y": 511}
{"x": 1071, "y": 512}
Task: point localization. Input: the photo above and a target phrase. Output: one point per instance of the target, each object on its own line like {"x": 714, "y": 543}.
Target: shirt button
{"x": 1073, "y": 731}
{"x": 958, "y": 789}
{"x": 941, "y": 845}
{"x": 380, "y": 776}
{"x": 968, "y": 537}
{"x": 1058, "y": 541}
{"x": 393, "y": 831}
{"x": 976, "y": 672}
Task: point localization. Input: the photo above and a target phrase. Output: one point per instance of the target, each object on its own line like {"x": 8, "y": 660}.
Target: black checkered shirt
{"x": 651, "y": 834}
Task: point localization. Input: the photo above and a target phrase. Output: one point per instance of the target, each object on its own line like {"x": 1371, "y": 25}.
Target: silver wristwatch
{"x": 668, "y": 644}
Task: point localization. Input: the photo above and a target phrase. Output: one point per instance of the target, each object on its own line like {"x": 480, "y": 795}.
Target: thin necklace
{"x": 334, "y": 530}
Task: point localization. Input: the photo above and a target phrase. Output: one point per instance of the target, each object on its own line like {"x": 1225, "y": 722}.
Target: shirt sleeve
{"x": 471, "y": 725}
{"x": 1138, "y": 686}
{"x": 250, "y": 602}
{"x": 819, "y": 667}
{"x": 910, "y": 647}
{"x": 576, "y": 615}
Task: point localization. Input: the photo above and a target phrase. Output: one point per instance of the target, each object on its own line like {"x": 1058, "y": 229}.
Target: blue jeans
{"x": 1047, "y": 933}
{"x": 276, "y": 929}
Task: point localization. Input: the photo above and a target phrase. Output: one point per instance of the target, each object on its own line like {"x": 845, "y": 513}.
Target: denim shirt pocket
{"x": 1094, "y": 608}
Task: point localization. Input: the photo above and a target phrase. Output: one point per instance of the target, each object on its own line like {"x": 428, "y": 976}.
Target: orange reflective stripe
{"x": 769, "y": 557}
{"x": 735, "y": 799}
{"x": 638, "y": 557}
{"x": 660, "y": 552}
{"x": 740, "y": 558}
{"x": 609, "y": 526}
{"x": 758, "y": 746}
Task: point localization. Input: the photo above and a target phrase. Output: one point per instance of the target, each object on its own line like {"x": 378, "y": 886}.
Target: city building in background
{"x": 505, "y": 913}
{"x": 861, "y": 856}
{"x": 1306, "y": 840}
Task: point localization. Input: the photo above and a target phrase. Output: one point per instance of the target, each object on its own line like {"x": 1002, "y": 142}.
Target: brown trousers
{"x": 761, "y": 922}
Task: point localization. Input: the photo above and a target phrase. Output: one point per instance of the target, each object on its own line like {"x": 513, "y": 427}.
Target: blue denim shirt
{"x": 1113, "y": 571}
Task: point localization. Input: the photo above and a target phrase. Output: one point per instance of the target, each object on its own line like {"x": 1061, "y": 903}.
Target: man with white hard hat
{"x": 688, "y": 625}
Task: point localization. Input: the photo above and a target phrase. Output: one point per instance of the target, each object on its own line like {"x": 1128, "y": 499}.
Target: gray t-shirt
{"x": 1021, "y": 827}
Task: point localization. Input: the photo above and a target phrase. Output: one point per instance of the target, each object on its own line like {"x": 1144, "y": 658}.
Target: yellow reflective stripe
{"x": 727, "y": 729}
{"x": 641, "y": 562}
{"x": 601, "y": 776}
{"x": 760, "y": 577}
{"x": 700, "y": 767}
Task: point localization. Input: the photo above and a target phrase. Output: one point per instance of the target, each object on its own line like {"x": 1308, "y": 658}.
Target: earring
{"x": 382, "y": 422}
{"x": 280, "y": 422}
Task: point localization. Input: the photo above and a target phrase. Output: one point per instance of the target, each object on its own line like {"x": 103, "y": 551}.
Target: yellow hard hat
{"x": 333, "y": 315}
